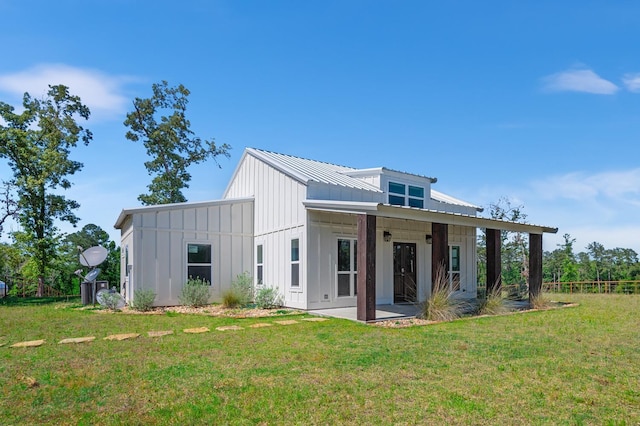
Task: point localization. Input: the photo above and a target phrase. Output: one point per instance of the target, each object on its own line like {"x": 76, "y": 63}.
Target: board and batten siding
{"x": 160, "y": 239}
{"x": 466, "y": 238}
{"x": 280, "y": 217}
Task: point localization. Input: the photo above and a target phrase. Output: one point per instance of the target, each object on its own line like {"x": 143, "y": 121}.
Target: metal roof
{"x": 305, "y": 170}
{"x": 424, "y": 215}
{"x": 444, "y": 198}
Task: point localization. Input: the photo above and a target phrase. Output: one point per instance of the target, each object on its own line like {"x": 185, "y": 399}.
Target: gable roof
{"x": 305, "y": 170}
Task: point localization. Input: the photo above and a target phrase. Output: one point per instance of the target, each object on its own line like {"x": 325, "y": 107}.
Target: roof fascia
{"x": 410, "y": 213}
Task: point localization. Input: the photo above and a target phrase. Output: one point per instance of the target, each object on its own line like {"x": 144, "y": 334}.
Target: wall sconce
{"x": 429, "y": 239}
{"x": 387, "y": 236}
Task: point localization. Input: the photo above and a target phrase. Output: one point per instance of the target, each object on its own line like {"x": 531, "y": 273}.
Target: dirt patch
{"x": 211, "y": 310}
{"x": 401, "y": 323}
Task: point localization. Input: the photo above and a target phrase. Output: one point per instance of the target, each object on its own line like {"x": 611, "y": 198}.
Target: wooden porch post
{"x": 494, "y": 260}
{"x": 366, "y": 298}
{"x": 535, "y": 265}
{"x": 439, "y": 250}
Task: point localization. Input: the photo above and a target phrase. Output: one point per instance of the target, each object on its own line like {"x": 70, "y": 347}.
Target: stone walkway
{"x": 161, "y": 333}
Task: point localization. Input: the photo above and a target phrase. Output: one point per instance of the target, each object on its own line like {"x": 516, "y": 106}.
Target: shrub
{"x": 268, "y": 298}
{"x": 195, "y": 293}
{"x": 243, "y": 285}
{"x": 112, "y": 300}
{"x": 240, "y": 293}
{"x": 143, "y": 299}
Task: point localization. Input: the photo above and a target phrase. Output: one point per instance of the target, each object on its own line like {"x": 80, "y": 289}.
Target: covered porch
{"x": 368, "y": 233}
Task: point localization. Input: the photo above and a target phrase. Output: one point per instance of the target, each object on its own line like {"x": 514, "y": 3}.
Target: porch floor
{"x": 383, "y": 312}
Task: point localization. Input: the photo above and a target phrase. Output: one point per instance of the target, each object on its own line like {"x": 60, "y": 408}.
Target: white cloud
{"x": 632, "y": 82}
{"x": 620, "y": 186}
{"x": 579, "y": 80}
{"x": 102, "y": 93}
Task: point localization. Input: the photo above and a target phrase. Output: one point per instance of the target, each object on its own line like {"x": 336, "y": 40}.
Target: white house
{"x": 324, "y": 235}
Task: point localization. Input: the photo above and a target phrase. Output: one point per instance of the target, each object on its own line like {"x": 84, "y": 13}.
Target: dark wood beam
{"x": 494, "y": 260}
{"x": 439, "y": 250}
{"x": 535, "y": 265}
{"x": 366, "y": 298}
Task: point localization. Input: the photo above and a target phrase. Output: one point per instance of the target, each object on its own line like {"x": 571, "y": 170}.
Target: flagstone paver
{"x": 196, "y": 330}
{"x": 261, "y": 324}
{"x": 286, "y": 322}
{"x": 124, "y": 336}
{"x": 229, "y": 327}
{"x": 77, "y": 340}
{"x": 159, "y": 333}
{"x": 29, "y": 344}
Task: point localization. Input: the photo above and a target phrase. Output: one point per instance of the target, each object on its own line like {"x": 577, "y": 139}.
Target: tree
{"x": 37, "y": 144}
{"x": 596, "y": 252}
{"x": 160, "y": 122}
{"x": 8, "y": 204}
{"x": 514, "y": 245}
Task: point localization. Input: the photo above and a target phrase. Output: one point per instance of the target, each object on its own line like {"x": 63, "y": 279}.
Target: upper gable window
{"x": 406, "y": 195}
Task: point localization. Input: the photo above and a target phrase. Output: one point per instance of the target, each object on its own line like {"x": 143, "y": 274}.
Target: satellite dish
{"x": 117, "y": 301}
{"x": 93, "y": 256}
{"x": 92, "y": 275}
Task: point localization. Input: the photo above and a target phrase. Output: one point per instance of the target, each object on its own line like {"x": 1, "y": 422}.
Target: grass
{"x": 567, "y": 366}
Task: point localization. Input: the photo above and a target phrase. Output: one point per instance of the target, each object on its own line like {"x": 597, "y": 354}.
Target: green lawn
{"x": 567, "y": 366}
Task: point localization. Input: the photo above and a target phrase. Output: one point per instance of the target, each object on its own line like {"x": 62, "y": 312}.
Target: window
{"x": 126, "y": 261}
{"x": 416, "y": 196}
{"x": 406, "y": 195}
{"x": 199, "y": 261}
{"x": 454, "y": 268}
{"x": 259, "y": 265}
{"x": 295, "y": 262}
{"x": 347, "y": 267}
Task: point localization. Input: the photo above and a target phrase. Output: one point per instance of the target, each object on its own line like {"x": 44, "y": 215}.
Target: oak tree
{"x": 37, "y": 144}
{"x": 161, "y": 123}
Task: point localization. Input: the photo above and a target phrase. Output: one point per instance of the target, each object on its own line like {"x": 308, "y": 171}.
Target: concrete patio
{"x": 383, "y": 312}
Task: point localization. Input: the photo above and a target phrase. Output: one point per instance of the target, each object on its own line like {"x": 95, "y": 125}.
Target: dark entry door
{"x": 404, "y": 273}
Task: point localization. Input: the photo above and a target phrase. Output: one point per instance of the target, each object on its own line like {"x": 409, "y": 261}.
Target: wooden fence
{"x": 21, "y": 287}
{"x": 598, "y": 287}
{"x": 603, "y": 287}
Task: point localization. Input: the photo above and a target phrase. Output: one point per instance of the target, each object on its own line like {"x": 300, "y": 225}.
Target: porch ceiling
{"x": 423, "y": 215}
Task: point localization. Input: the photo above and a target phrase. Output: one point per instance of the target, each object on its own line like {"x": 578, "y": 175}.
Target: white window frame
{"x": 352, "y": 272}
{"x": 293, "y": 262}
{"x": 210, "y": 263}
{"x": 406, "y": 196}
{"x": 453, "y": 273}
{"x": 259, "y": 264}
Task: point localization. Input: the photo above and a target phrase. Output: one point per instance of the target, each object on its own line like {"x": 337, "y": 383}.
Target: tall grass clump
{"x": 240, "y": 293}
{"x": 143, "y": 299}
{"x": 539, "y": 301}
{"x": 195, "y": 293}
{"x": 493, "y": 303}
{"x": 442, "y": 306}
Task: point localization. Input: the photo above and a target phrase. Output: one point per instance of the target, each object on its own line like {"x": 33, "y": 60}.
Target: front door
{"x": 404, "y": 273}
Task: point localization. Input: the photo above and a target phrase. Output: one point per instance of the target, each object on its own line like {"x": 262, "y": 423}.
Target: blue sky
{"x": 537, "y": 101}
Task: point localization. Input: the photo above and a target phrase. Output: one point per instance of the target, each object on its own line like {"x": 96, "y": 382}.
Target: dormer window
{"x": 406, "y": 195}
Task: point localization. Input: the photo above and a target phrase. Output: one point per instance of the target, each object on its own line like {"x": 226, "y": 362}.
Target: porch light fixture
{"x": 387, "y": 236}
{"x": 428, "y": 238}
